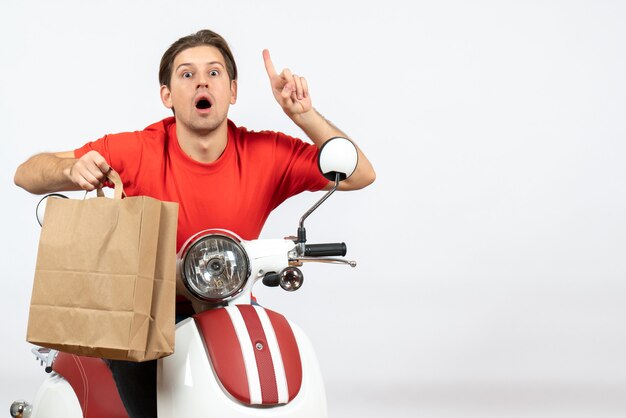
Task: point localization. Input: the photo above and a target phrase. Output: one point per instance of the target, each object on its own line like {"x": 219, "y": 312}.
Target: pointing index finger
{"x": 269, "y": 66}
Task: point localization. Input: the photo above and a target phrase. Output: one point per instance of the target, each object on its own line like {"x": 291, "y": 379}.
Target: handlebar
{"x": 336, "y": 249}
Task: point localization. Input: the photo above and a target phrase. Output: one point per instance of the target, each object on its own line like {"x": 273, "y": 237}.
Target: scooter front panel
{"x": 253, "y": 353}
{"x": 188, "y": 385}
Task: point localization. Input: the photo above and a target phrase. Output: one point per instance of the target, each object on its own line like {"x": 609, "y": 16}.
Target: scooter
{"x": 233, "y": 358}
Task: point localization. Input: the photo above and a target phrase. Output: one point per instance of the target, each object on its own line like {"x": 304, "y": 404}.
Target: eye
{"x": 214, "y": 73}
{"x": 187, "y": 74}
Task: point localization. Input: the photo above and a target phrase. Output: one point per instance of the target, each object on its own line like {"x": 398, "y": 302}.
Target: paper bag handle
{"x": 114, "y": 177}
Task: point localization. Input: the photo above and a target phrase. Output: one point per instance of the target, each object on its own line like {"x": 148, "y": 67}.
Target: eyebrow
{"x": 192, "y": 64}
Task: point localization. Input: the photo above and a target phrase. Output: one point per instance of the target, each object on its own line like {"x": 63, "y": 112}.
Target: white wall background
{"x": 491, "y": 247}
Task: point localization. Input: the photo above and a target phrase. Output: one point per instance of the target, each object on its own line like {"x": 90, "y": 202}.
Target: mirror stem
{"x": 301, "y": 229}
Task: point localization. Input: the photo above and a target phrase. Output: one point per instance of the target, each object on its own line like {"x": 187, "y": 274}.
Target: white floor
{"x": 479, "y": 400}
{"x": 442, "y": 400}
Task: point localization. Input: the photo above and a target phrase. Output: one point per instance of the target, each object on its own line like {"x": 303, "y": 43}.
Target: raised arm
{"x": 55, "y": 172}
{"x": 292, "y": 94}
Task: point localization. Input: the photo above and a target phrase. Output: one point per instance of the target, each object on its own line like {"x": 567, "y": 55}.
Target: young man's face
{"x": 200, "y": 90}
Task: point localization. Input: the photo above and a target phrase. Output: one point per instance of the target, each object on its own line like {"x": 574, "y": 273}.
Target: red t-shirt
{"x": 256, "y": 172}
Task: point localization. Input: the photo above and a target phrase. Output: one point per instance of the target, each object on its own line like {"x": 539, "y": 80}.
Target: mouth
{"x": 203, "y": 103}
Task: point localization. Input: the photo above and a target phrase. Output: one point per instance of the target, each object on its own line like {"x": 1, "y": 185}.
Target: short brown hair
{"x": 202, "y": 37}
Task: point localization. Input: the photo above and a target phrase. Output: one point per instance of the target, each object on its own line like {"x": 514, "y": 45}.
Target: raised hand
{"x": 291, "y": 91}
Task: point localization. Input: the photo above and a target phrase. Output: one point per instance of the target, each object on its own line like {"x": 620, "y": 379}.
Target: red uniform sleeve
{"x": 121, "y": 151}
{"x": 298, "y": 168}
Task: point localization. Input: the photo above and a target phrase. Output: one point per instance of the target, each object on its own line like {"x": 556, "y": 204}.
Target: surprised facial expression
{"x": 200, "y": 90}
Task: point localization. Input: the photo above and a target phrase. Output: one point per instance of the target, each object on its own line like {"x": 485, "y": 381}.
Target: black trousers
{"x": 136, "y": 384}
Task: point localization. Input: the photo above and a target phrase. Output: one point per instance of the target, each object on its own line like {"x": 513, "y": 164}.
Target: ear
{"x": 233, "y": 92}
{"x": 166, "y": 96}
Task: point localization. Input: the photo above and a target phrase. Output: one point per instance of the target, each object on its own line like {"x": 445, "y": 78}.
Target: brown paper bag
{"x": 105, "y": 277}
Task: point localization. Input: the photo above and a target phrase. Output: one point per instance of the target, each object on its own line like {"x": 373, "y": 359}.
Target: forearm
{"x": 45, "y": 173}
{"x": 320, "y": 130}
{"x": 317, "y": 127}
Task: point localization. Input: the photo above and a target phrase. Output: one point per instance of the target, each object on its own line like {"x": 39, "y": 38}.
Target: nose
{"x": 202, "y": 81}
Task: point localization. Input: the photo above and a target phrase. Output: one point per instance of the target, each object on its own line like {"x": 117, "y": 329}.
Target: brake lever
{"x": 298, "y": 262}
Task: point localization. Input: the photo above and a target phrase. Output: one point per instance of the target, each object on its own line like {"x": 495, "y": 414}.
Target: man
{"x": 223, "y": 176}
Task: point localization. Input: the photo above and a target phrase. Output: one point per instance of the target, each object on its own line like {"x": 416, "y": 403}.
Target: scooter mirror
{"x": 338, "y": 155}
{"x": 41, "y": 206}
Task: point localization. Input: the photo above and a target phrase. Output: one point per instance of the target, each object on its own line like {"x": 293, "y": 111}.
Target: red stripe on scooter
{"x": 265, "y": 365}
{"x": 289, "y": 351}
{"x": 222, "y": 343}
{"x": 93, "y": 385}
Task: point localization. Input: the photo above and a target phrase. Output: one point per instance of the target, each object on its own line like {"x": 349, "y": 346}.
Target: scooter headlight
{"x": 215, "y": 266}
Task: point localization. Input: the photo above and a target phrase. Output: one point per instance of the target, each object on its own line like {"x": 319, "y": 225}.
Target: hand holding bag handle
{"x": 114, "y": 177}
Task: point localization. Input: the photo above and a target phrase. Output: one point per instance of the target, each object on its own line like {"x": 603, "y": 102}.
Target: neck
{"x": 204, "y": 147}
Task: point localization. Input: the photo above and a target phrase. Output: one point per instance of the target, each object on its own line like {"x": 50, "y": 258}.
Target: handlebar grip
{"x": 326, "y": 250}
